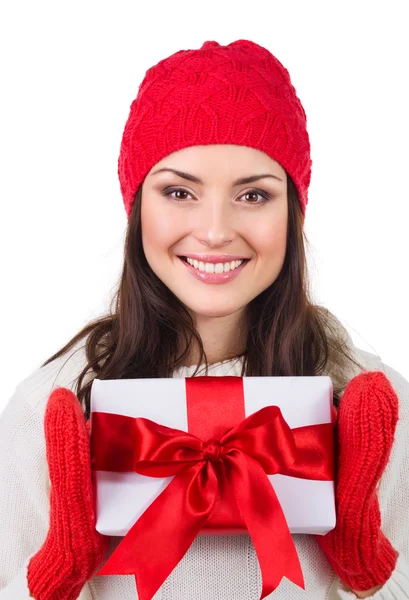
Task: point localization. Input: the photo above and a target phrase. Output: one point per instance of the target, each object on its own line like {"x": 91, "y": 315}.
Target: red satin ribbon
{"x": 240, "y": 459}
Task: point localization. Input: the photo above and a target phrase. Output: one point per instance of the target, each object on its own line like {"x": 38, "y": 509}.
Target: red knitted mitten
{"x": 73, "y": 549}
{"x": 358, "y": 551}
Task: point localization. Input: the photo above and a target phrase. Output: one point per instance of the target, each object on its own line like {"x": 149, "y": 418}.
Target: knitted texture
{"x": 357, "y": 549}
{"x": 215, "y": 566}
{"x": 235, "y": 94}
{"x": 73, "y": 549}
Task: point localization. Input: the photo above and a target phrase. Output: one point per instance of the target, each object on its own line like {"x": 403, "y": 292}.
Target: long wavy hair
{"x": 287, "y": 335}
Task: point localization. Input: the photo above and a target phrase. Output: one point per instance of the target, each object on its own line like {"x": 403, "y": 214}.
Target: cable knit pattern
{"x": 224, "y": 567}
{"x": 235, "y": 94}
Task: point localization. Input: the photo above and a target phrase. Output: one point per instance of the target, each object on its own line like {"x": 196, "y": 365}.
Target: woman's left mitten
{"x": 357, "y": 549}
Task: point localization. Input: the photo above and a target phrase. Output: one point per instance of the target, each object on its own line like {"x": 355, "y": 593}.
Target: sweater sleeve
{"x": 393, "y": 494}
{"x": 24, "y": 499}
{"x": 24, "y": 476}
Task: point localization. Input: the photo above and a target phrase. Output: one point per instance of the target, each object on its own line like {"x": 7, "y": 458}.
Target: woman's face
{"x": 215, "y": 217}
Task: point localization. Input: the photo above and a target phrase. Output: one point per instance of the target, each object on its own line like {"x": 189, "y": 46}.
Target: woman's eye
{"x": 264, "y": 195}
{"x": 174, "y": 191}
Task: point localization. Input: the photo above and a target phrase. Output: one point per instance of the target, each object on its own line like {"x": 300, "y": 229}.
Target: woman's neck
{"x": 223, "y": 338}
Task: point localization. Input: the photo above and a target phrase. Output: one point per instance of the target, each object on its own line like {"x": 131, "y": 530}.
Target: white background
{"x": 69, "y": 72}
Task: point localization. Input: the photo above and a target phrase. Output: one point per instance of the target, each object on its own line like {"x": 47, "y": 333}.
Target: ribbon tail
{"x": 266, "y": 523}
{"x": 160, "y": 537}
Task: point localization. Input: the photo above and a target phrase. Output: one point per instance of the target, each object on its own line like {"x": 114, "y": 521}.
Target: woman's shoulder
{"x": 22, "y": 419}
{"x": 372, "y": 362}
{"x": 364, "y": 359}
{"x": 61, "y": 372}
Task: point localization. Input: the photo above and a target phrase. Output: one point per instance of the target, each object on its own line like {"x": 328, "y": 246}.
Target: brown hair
{"x": 140, "y": 337}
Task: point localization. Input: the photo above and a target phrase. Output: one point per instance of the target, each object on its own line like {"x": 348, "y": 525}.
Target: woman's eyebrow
{"x": 197, "y": 180}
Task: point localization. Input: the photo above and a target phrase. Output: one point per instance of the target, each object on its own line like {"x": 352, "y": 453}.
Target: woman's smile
{"x": 214, "y": 272}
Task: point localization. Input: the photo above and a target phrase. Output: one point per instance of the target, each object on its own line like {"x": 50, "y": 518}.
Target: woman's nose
{"x": 215, "y": 223}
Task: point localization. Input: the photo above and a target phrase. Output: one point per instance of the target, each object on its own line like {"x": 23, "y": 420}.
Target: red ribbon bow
{"x": 260, "y": 444}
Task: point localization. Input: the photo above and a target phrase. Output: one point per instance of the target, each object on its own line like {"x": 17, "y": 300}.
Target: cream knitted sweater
{"x": 224, "y": 568}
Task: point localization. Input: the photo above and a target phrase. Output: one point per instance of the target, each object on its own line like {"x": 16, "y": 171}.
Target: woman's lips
{"x": 214, "y": 277}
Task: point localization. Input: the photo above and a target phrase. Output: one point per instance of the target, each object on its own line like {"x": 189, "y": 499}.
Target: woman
{"x": 214, "y": 167}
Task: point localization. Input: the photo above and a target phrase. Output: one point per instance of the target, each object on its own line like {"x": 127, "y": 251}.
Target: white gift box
{"x": 121, "y": 498}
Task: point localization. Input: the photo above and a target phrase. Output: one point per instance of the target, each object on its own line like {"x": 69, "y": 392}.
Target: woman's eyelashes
{"x": 254, "y": 192}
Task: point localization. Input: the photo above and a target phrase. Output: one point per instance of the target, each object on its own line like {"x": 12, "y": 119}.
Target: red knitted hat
{"x": 235, "y": 94}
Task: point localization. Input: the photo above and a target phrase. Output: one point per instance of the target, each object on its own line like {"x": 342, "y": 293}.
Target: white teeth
{"x": 214, "y": 268}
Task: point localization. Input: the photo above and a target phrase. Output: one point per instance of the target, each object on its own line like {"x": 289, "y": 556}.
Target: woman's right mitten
{"x": 73, "y": 549}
